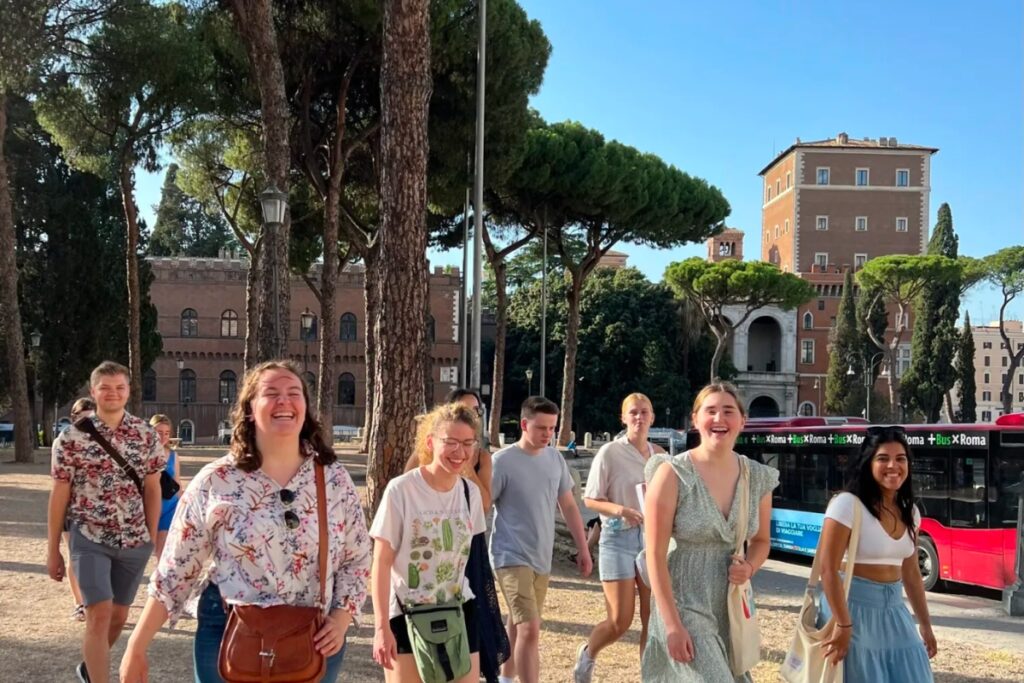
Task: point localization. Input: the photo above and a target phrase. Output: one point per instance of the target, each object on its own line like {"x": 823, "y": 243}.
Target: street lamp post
{"x": 274, "y": 204}
{"x": 306, "y": 327}
{"x": 869, "y": 371}
{"x": 37, "y": 340}
{"x": 817, "y": 385}
{"x": 529, "y": 382}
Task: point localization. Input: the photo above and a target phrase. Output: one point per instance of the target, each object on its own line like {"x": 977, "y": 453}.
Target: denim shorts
{"x": 106, "y": 573}
{"x": 617, "y": 551}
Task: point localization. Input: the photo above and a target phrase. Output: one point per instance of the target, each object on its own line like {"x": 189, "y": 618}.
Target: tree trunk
{"x": 1016, "y": 358}
{"x": 328, "y": 314}
{"x": 500, "y": 329}
{"x": 252, "y": 289}
{"x": 405, "y": 87}
{"x": 572, "y": 331}
{"x": 49, "y": 419}
{"x": 255, "y": 22}
{"x": 126, "y": 181}
{"x": 371, "y": 301}
{"x": 721, "y": 343}
{"x": 10, "y": 312}
{"x": 949, "y": 407}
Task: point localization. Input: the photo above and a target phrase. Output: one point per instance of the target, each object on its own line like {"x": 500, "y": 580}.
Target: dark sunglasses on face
{"x": 891, "y": 429}
{"x": 291, "y": 520}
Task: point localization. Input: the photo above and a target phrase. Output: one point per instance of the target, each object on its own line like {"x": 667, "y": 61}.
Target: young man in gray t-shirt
{"x": 529, "y": 479}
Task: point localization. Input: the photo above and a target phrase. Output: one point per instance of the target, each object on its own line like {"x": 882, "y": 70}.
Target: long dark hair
{"x": 861, "y": 482}
{"x": 243, "y": 435}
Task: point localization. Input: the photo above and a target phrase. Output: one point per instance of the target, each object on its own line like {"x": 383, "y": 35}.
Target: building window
{"x": 988, "y": 361}
{"x": 187, "y": 386}
{"x": 986, "y": 416}
{"x": 1020, "y": 379}
{"x": 807, "y": 351}
{"x": 986, "y": 396}
{"x": 807, "y": 409}
{"x": 904, "y": 359}
{"x": 348, "y": 327}
{"x": 821, "y": 259}
{"x": 821, "y": 223}
{"x": 768, "y": 194}
{"x": 862, "y": 177}
{"x": 431, "y": 329}
{"x": 778, "y": 187}
{"x": 903, "y": 177}
{"x": 986, "y": 345}
{"x": 149, "y": 385}
{"x": 859, "y": 260}
{"x": 229, "y": 324}
{"x": 1004, "y": 361}
{"x": 347, "y": 389}
{"x": 901, "y": 225}
{"x": 767, "y": 235}
{"x": 861, "y": 223}
{"x": 789, "y": 180}
{"x": 776, "y": 232}
{"x": 189, "y": 323}
{"x": 986, "y": 378}
{"x": 821, "y": 304}
{"x": 823, "y": 175}
{"x": 187, "y": 431}
{"x": 808, "y": 321}
{"x": 786, "y": 228}
{"x": 228, "y": 387}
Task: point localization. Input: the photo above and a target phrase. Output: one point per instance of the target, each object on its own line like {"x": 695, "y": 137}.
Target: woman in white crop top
{"x": 872, "y": 630}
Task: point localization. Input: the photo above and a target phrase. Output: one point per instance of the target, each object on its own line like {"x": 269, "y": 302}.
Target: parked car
{"x": 669, "y": 439}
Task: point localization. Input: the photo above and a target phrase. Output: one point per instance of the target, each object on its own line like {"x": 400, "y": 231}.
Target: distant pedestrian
{"x": 423, "y": 530}
{"x": 530, "y": 479}
{"x": 693, "y": 499}
{"x": 113, "y": 511}
{"x": 253, "y": 517}
{"x": 163, "y": 427}
{"x": 872, "y": 632}
{"x": 615, "y": 474}
{"x": 83, "y": 407}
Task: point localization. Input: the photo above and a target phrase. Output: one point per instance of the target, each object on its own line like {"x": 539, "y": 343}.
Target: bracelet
{"x": 844, "y": 625}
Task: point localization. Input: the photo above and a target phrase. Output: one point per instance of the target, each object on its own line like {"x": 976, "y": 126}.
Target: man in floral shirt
{"x": 112, "y": 523}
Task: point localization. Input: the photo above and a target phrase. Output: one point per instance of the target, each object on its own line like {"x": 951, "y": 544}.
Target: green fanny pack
{"x": 439, "y": 642}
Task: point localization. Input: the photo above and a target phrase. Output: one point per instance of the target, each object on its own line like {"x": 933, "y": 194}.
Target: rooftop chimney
{"x": 842, "y": 138}
{"x": 892, "y": 142}
{"x": 883, "y": 142}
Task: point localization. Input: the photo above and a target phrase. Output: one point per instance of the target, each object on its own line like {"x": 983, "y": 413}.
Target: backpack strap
{"x": 86, "y": 425}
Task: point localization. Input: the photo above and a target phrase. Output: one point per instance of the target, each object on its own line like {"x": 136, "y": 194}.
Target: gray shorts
{"x": 106, "y": 573}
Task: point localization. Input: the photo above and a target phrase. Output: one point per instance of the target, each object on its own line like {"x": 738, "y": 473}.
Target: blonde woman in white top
{"x": 611, "y": 491}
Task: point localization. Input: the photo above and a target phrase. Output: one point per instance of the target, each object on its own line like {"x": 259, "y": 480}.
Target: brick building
{"x": 991, "y": 363}
{"x": 829, "y": 206}
{"x": 201, "y": 308}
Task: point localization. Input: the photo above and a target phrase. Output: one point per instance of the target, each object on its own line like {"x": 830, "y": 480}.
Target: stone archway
{"x": 763, "y": 406}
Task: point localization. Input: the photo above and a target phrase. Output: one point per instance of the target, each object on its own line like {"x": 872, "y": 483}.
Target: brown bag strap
{"x": 86, "y": 425}
{"x": 324, "y": 549}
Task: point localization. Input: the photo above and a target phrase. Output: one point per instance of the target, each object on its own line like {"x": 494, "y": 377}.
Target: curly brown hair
{"x": 243, "y": 433}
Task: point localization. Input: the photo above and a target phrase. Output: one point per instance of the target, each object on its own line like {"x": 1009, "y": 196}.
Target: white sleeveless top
{"x": 875, "y": 545}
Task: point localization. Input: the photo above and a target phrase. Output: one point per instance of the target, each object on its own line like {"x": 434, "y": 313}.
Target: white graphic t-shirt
{"x": 430, "y": 532}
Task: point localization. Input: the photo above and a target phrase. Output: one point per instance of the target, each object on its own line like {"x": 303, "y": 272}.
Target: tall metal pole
{"x": 544, "y": 319}
{"x": 478, "y": 194}
{"x": 463, "y": 309}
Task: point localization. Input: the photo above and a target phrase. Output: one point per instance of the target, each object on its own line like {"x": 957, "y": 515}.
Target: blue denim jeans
{"x": 210, "y": 631}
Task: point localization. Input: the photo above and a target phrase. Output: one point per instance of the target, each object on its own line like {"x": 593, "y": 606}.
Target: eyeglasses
{"x": 455, "y": 443}
{"x": 891, "y": 429}
{"x": 291, "y": 519}
{"x": 479, "y": 410}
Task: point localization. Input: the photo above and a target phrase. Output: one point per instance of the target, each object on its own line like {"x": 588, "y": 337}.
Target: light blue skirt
{"x": 885, "y": 647}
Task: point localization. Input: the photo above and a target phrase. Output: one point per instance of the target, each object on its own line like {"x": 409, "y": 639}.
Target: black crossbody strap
{"x": 87, "y": 426}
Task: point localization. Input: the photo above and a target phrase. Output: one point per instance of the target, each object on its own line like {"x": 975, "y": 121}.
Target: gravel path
{"x": 40, "y": 643}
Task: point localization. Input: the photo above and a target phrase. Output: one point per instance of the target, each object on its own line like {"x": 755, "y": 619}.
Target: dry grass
{"x": 40, "y": 643}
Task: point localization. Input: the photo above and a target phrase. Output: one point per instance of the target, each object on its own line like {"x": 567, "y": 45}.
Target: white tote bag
{"x": 744, "y": 631}
{"x": 805, "y": 662}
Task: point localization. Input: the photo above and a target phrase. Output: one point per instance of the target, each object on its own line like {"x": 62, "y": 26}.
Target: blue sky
{"x": 718, "y": 88}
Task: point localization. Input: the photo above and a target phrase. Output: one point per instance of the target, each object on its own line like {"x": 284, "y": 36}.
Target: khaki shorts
{"x": 524, "y": 591}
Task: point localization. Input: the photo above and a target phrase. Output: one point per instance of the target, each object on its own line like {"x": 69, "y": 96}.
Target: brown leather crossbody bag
{"x": 275, "y": 644}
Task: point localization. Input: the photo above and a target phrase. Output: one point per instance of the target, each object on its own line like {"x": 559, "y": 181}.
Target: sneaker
{"x": 583, "y": 672}
{"x": 82, "y": 673}
{"x": 79, "y": 613}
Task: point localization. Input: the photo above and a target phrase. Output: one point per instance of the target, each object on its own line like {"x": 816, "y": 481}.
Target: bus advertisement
{"x": 964, "y": 480}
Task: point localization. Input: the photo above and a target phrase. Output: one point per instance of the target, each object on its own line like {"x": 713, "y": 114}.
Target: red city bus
{"x": 963, "y": 474}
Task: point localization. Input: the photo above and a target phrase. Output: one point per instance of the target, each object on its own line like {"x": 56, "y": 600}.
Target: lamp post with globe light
{"x": 274, "y": 205}
{"x": 869, "y": 373}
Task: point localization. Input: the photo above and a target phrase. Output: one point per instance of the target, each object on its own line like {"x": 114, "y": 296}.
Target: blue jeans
{"x": 210, "y": 631}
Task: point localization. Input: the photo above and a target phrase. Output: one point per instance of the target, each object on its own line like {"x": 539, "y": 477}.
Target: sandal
{"x": 79, "y": 613}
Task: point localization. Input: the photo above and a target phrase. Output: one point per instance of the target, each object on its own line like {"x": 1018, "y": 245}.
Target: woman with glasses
{"x": 423, "y": 530}
{"x": 872, "y": 631}
{"x": 252, "y": 516}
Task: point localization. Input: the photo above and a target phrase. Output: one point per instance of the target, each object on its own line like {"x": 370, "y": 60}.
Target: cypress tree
{"x": 935, "y": 337}
{"x": 843, "y": 392}
{"x": 967, "y": 411}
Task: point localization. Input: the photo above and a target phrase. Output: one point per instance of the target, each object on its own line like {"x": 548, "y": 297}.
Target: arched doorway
{"x": 764, "y": 350}
{"x": 764, "y": 406}
{"x": 186, "y": 431}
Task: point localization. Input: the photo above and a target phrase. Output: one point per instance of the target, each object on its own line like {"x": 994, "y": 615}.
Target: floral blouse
{"x": 240, "y": 521}
{"x": 105, "y": 504}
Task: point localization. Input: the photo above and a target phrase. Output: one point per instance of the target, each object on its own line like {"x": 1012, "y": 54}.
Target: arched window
{"x": 430, "y": 329}
{"x": 189, "y": 323}
{"x": 807, "y": 409}
{"x": 229, "y": 324}
{"x": 228, "y": 387}
{"x": 149, "y": 385}
{"x": 347, "y": 389}
{"x": 348, "y": 327}
{"x": 187, "y": 386}
{"x": 808, "y": 321}
{"x": 186, "y": 431}
{"x": 310, "y": 379}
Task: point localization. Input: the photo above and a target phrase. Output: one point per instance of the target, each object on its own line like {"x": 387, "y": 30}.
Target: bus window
{"x": 787, "y": 493}
{"x": 813, "y": 481}
{"x": 968, "y": 493}
{"x": 1006, "y": 471}
{"x": 837, "y": 473}
{"x": 931, "y": 483}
